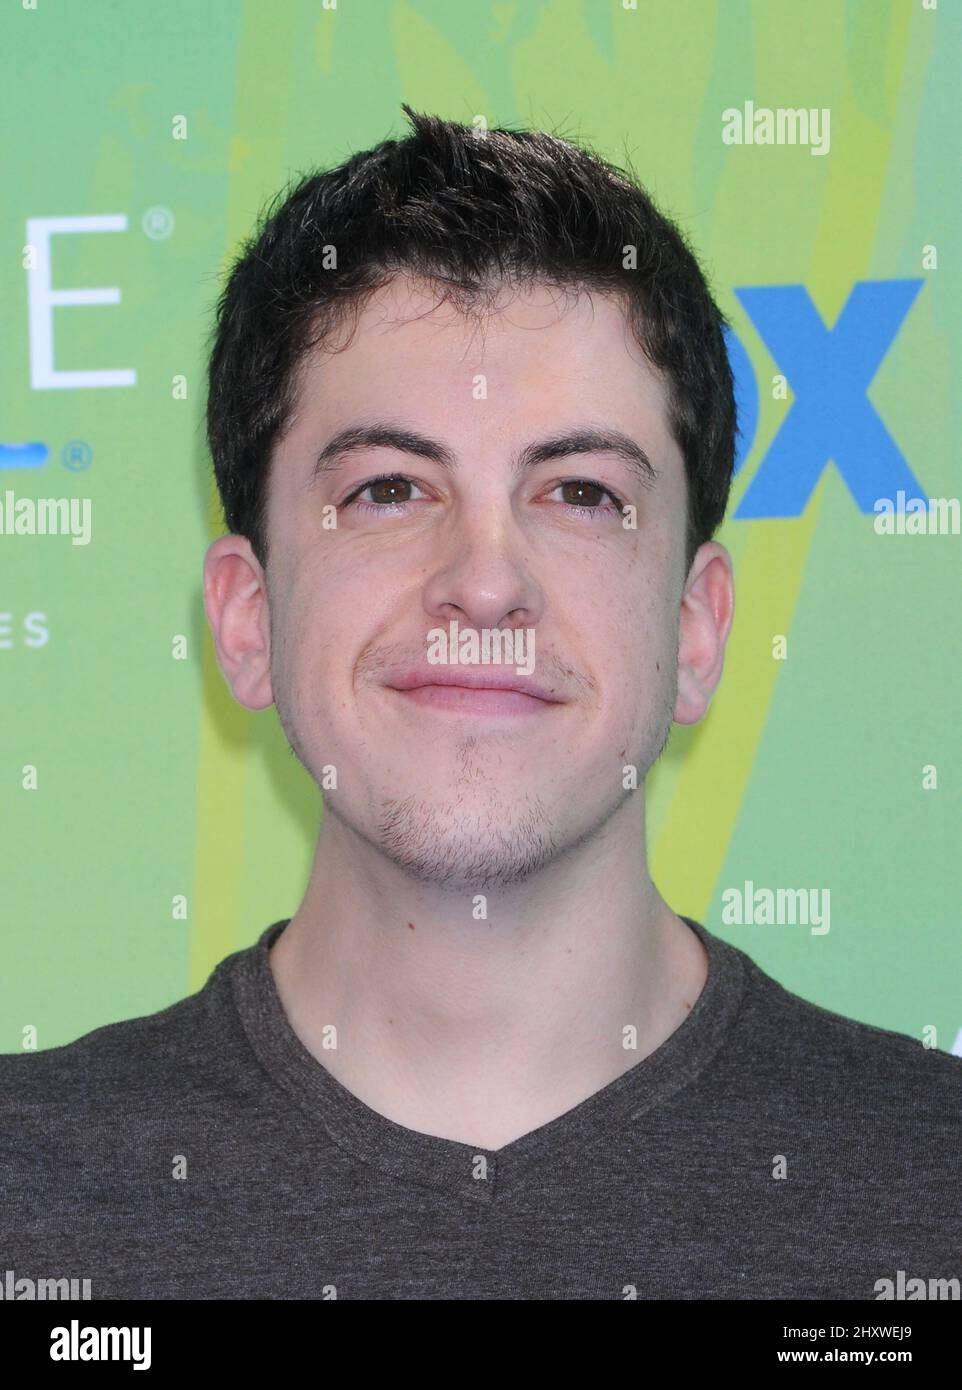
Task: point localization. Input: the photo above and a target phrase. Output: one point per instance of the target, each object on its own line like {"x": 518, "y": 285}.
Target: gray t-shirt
{"x": 767, "y": 1149}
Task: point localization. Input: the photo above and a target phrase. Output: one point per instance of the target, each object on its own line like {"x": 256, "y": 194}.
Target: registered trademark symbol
{"x": 76, "y": 455}
{"x": 158, "y": 223}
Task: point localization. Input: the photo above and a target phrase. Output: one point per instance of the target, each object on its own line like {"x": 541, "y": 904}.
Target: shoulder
{"x": 825, "y": 1055}
{"x": 166, "y": 1055}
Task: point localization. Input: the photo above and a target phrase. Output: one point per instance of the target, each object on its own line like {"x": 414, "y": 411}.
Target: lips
{"x": 473, "y": 681}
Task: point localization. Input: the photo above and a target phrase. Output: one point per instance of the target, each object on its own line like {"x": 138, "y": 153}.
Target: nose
{"x": 481, "y": 579}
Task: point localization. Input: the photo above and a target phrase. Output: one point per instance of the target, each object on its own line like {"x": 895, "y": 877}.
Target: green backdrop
{"x": 131, "y": 784}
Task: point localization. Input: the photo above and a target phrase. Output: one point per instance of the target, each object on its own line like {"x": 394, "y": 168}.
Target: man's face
{"x": 470, "y": 793}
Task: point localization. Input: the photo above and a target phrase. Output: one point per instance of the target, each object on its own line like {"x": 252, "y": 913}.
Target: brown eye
{"x": 389, "y": 490}
{"x": 580, "y": 493}
{"x": 584, "y": 497}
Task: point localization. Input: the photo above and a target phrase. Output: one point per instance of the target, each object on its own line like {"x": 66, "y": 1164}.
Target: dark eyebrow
{"x": 384, "y": 435}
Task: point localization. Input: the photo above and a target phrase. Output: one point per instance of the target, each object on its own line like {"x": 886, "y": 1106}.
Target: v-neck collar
{"x": 453, "y": 1167}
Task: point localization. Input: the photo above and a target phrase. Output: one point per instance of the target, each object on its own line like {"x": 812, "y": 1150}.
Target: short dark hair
{"x": 465, "y": 209}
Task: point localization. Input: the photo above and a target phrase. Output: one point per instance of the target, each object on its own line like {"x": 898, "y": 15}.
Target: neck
{"x": 480, "y": 1028}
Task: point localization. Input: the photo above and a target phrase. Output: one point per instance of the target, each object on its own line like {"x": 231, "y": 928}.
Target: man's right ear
{"x": 235, "y": 599}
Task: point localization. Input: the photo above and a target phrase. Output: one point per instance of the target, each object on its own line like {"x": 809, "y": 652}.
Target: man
{"x": 475, "y": 385}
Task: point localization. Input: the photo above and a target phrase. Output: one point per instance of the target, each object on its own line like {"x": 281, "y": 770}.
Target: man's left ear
{"x": 707, "y": 610}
